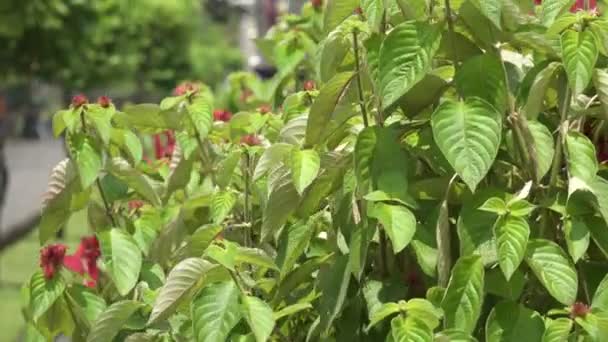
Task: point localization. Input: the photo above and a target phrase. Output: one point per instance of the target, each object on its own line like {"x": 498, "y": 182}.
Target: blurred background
{"x": 131, "y": 50}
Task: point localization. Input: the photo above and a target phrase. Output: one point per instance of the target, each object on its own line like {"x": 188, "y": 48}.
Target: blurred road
{"x": 30, "y": 164}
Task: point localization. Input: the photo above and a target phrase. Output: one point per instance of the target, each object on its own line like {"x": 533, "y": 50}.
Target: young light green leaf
{"x": 579, "y": 53}
{"x": 88, "y": 305}
{"x": 557, "y": 330}
{"x": 552, "y": 267}
{"x": 197, "y": 243}
{"x": 291, "y": 309}
{"x": 495, "y": 205}
{"x": 215, "y": 312}
{"x": 398, "y": 222}
{"x": 181, "y": 280}
{"x": 259, "y": 316}
{"x": 336, "y": 11}
{"x": 600, "y": 297}
{"x": 88, "y": 161}
{"x": 109, "y": 323}
{"x": 374, "y": 11}
{"x": 582, "y": 160}
{"x": 43, "y": 293}
{"x": 509, "y": 322}
{"x": 464, "y": 295}
{"x": 600, "y": 80}
{"x": 410, "y": 328}
{"x": 200, "y": 112}
{"x": 468, "y": 134}
{"x": 551, "y": 9}
{"x": 271, "y": 157}
{"x": 254, "y": 256}
{"x": 512, "y": 234}
{"x": 128, "y": 142}
{"x": 386, "y": 310}
{"x": 122, "y": 258}
{"x": 221, "y": 206}
{"x": 405, "y": 58}
{"x": 305, "y": 165}
{"x": 577, "y": 237}
{"x": 544, "y": 147}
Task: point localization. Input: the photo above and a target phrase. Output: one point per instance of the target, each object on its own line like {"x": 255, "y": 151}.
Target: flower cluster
{"x": 83, "y": 261}
{"x": 185, "y": 88}
{"x": 164, "y": 150}
{"x": 222, "y": 115}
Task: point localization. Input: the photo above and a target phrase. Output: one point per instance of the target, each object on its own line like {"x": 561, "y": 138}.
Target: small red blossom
{"x": 79, "y": 100}
{"x": 358, "y": 11}
{"x": 185, "y": 88}
{"x": 135, "y": 204}
{"x": 264, "y": 109}
{"x": 84, "y": 261}
{"x": 51, "y": 259}
{"x": 316, "y": 4}
{"x": 161, "y": 150}
{"x": 310, "y": 85}
{"x": 579, "y": 5}
{"x": 579, "y": 309}
{"x": 251, "y": 140}
{"x": 104, "y": 101}
{"x": 222, "y": 115}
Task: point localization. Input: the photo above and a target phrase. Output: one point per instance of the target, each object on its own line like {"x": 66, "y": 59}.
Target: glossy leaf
{"x": 305, "y": 165}
{"x": 215, "y": 312}
{"x": 512, "y": 234}
{"x": 259, "y": 316}
{"x": 464, "y": 295}
{"x": 510, "y": 321}
{"x": 43, "y": 293}
{"x": 557, "y": 330}
{"x": 579, "y": 53}
{"x": 398, "y": 222}
{"x": 122, "y": 258}
{"x": 109, "y": 323}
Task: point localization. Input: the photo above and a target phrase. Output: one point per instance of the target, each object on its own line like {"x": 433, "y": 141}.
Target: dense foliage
{"x": 416, "y": 171}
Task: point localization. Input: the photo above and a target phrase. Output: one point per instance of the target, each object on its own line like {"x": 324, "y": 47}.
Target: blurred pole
{"x": 295, "y": 6}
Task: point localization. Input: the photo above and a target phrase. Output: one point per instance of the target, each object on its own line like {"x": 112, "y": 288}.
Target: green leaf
{"x": 109, "y": 323}
{"x": 254, "y": 256}
{"x": 322, "y": 109}
{"x": 149, "y": 118}
{"x": 43, "y": 293}
{"x": 129, "y": 142}
{"x": 291, "y": 309}
{"x": 582, "y": 161}
{"x": 405, "y": 58}
{"x": 333, "y": 283}
{"x": 87, "y": 304}
{"x": 380, "y": 314}
{"x": 336, "y": 11}
{"x": 374, "y": 11}
{"x": 512, "y": 234}
{"x": 215, "y": 312}
{"x": 197, "y": 243}
{"x": 536, "y": 95}
{"x": 410, "y": 328}
{"x": 600, "y": 80}
{"x": 201, "y": 114}
{"x": 552, "y": 267}
{"x": 551, "y": 9}
{"x": 101, "y": 118}
{"x": 577, "y": 237}
{"x": 364, "y": 152}
{"x": 495, "y": 205}
{"x": 557, "y": 330}
{"x": 498, "y": 285}
{"x": 180, "y": 175}
{"x": 464, "y": 295}
{"x": 600, "y": 297}
{"x": 544, "y": 147}
{"x": 293, "y": 241}
{"x": 491, "y": 9}
{"x": 221, "y": 206}
{"x": 122, "y": 258}
{"x": 282, "y": 202}
{"x": 305, "y": 167}
{"x": 259, "y": 316}
{"x": 271, "y": 157}
{"x": 483, "y": 76}
{"x": 468, "y": 134}
{"x": 398, "y": 222}
{"x": 510, "y": 321}
{"x": 425, "y": 311}
{"x": 453, "y": 335}
{"x": 579, "y": 53}
{"x": 88, "y": 161}
{"x": 181, "y": 280}
{"x": 136, "y": 180}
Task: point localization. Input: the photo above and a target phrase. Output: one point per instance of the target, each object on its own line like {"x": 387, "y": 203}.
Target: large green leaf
{"x": 305, "y": 165}
{"x": 468, "y": 134}
{"x": 398, "y": 222}
{"x": 136, "y": 180}
{"x": 221, "y": 205}
{"x": 109, "y": 323}
{"x": 577, "y": 237}
{"x": 122, "y": 258}
{"x": 483, "y": 76}
{"x": 509, "y": 322}
{"x": 491, "y": 9}
{"x": 579, "y": 53}
{"x": 557, "y": 330}
{"x": 551, "y": 9}
{"x": 464, "y": 295}
{"x": 535, "y": 98}
{"x": 582, "y": 161}
{"x": 552, "y": 267}
{"x": 512, "y": 234}
{"x": 215, "y": 312}
{"x": 271, "y": 157}
{"x": 374, "y": 12}
{"x": 201, "y": 114}
{"x": 600, "y": 297}
{"x": 197, "y": 243}
{"x": 409, "y": 329}
{"x": 181, "y": 280}
{"x": 322, "y": 109}
{"x": 43, "y": 293}
{"x": 88, "y": 161}
{"x": 333, "y": 283}
{"x": 336, "y": 11}
{"x": 128, "y": 142}
{"x": 543, "y": 146}
{"x": 259, "y": 316}
{"x": 600, "y": 80}
{"x": 88, "y": 305}
{"x": 282, "y": 201}
{"x": 292, "y": 243}
{"x": 405, "y": 58}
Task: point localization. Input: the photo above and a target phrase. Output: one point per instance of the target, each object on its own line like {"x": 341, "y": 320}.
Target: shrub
{"x": 415, "y": 171}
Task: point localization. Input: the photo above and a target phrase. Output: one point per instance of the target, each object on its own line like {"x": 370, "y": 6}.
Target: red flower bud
{"x": 104, "y": 101}
{"x": 579, "y": 5}
{"x": 579, "y": 309}
{"x": 309, "y": 85}
{"x": 184, "y": 88}
{"x": 264, "y": 109}
{"x": 251, "y": 140}
{"x": 51, "y": 259}
{"x": 358, "y": 11}
{"x": 316, "y": 4}
{"x": 79, "y": 100}
{"x": 135, "y": 204}
{"x": 222, "y": 115}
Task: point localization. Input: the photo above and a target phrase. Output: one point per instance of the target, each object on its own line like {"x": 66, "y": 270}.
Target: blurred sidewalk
{"x": 30, "y": 164}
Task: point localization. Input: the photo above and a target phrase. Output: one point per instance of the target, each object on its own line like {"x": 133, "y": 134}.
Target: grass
{"x": 17, "y": 263}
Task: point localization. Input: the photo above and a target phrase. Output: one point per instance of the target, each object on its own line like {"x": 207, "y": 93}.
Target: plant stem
{"x": 444, "y": 264}
{"x": 448, "y": 18}
{"x": 247, "y": 209}
{"x": 105, "y": 202}
{"x": 236, "y": 278}
{"x": 563, "y": 127}
{"x": 358, "y": 79}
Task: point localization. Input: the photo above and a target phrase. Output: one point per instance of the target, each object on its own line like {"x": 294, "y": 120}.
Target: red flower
{"x": 251, "y": 140}
{"x": 185, "y": 88}
{"x": 579, "y": 5}
{"x": 104, "y": 101}
{"x": 317, "y": 4}
{"x": 84, "y": 261}
{"x": 358, "y": 11}
{"x": 51, "y": 259}
{"x": 538, "y": 2}
{"x": 164, "y": 151}
{"x": 264, "y": 109}
{"x": 135, "y": 204}
{"x": 79, "y": 100}
{"x": 579, "y": 309}
{"x": 222, "y": 115}
{"x": 309, "y": 85}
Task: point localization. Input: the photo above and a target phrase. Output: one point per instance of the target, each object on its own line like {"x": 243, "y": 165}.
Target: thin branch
{"x": 358, "y": 79}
